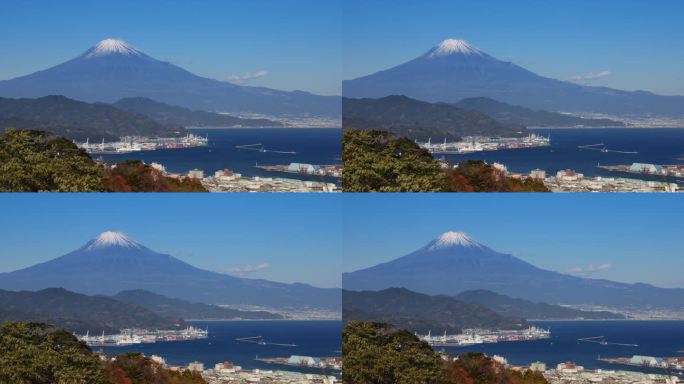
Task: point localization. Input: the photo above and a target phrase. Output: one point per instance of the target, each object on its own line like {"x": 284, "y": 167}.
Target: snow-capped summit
{"x": 452, "y": 46}
{"x": 111, "y": 46}
{"x": 112, "y": 239}
{"x": 452, "y": 238}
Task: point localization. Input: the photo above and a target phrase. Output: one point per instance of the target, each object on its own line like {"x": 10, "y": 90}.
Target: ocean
{"x": 654, "y": 338}
{"x": 655, "y": 146}
{"x": 312, "y": 338}
{"x": 312, "y": 145}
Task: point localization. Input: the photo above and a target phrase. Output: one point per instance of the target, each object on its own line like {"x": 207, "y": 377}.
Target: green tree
{"x": 375, "y": 353}
{"x": 34, "y": 353}
{"x": 32, "y": 161}
{"x": 375, "y": 161}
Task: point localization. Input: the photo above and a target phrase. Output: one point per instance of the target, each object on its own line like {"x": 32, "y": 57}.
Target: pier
{"x": 600, "y": 147}
{"x": 602, "y": 340}
{"x": 260, "y": 341}
{"x": 258, "y": 147}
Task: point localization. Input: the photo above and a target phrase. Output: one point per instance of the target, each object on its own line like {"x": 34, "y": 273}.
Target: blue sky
{"x": 296, "y": 41}
{"x": 625, "y": 237}
{"x": 297, "y": 235}
{"x": 638, "y": 42}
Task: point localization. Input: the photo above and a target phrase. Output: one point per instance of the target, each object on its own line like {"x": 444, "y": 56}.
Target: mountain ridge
{"x": 513, "y": 307}
{"x": 455, "y": 76}
{"x": 171, "y": 114}
{"x": 422, "y": 313}
{"x": 513, "y": 114}
{"x": 127, "y": 72}
{"x": 176, "y": 308}
{"x": 110, "y": 270}
{"x": 79, "y": 313}
{"x": 452, "y": 270}
{"x": 74, "y": 119}
{"x": 421, "y": 120}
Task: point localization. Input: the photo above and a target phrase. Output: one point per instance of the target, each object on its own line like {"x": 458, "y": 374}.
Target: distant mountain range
{"x": 454, "y": 263}
{"x": 79, "y": 313}
{"x": 422, "y": 313}
{"x": 79, "y": 120}
{"x": 169, "y": 114}
{"x": 127, "y": 309}
{"x": 112, "y": 263}
{"x": 515, "y": 115}
{"x": 421, "y": 120}
{"x": 176, "y": 308}
{"x": 454, "y": 70}
{"x": 511, "y": 307}
{"x": 113, "y": 69}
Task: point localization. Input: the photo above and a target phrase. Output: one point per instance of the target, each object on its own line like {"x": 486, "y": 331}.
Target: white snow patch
{"x": 110, "y": 46}
{"x": 112, "y": 239}
{"x": 451, "y": 239}
{"x": 452, "y": 46}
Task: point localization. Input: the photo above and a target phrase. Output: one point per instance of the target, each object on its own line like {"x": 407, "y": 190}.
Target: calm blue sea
{"x": 655, "y": 145}
{"x": 313, "y": 338}
{"x": 655, "y": 338}
{"x": 313, "y": 145}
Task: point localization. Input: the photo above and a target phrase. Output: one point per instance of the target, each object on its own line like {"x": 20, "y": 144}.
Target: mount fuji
{"x": 113, "y": 262}
{"x": 454, "y": 70}
{"x": 454, "y": 262}
{"x": 114, "y": 69}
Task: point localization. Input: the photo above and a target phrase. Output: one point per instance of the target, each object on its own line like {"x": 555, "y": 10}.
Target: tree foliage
{"x": 136, "y": 176}
{"x": 478, "y": 176}
{"x": 376, "y": 353}
{"x": 374, "y": 161}
{"x": 134, "y": 368}
{"x": 33, "y": 161}
{"x": 34, "y": 353}
{"x": 476, "y": 368}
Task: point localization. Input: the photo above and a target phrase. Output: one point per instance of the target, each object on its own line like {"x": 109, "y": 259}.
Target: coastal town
{"x": 470, "y": 144}
{"x": 130, "y": 144}
{"x": 143, "y": 336}
{"x": 485, "y": 336}
{"x": 571, "y": 373}
{"x": 229, "y": 373}
{"x": 569, "y": 180}
{"x": 227, "y": 180}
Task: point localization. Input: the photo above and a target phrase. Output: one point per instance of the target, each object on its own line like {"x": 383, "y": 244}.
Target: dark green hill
{"x": 176, "y": 308}
{"x": 73, "y": 133}
{"x": 170, "y": 114}
{"x": 96, "y": 121}
{"x": 79, "y": 313}
{"x": 508, "y": 306}
{"x": 421, "y": 120}
{"x": 513, "y": 114}
{"x": 421, "y": 313}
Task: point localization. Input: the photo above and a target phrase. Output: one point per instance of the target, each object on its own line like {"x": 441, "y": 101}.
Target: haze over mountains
{"x": 513, "y": 114}
{"x": 114, "y": 69}
{"x": 454, "y": 70}
{"x": 454, "y": 263}
{"x": 113, "y": 262}
{"x": 170, "y": 114}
